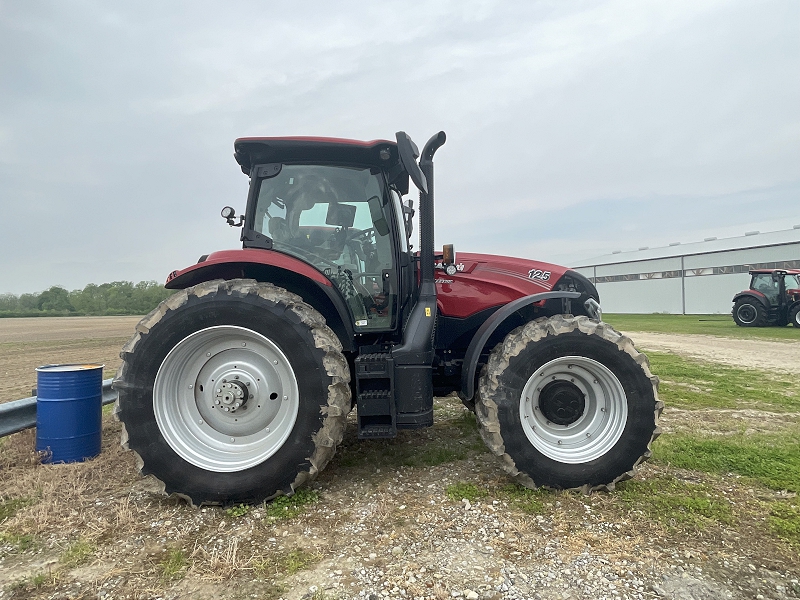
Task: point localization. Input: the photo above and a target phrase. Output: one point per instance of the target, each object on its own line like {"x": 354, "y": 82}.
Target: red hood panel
{"x": 485, "y": 280}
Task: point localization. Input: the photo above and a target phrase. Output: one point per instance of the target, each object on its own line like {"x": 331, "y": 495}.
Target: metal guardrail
{"x": 21, "y": 414}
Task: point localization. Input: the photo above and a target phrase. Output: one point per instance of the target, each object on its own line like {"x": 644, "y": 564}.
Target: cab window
{"x": 337, "y": 219}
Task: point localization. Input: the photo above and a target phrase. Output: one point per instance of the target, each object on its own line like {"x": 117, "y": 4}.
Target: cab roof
{"x": 251, "y": 151}
{"x": 769, "y": 271}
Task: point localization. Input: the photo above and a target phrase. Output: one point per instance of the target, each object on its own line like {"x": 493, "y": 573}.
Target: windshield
{"x": 336, "y": 218}
{"x": 792, "y": 282}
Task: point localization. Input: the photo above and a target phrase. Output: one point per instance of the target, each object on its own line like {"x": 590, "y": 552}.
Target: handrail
{"x": 21, "y": 414}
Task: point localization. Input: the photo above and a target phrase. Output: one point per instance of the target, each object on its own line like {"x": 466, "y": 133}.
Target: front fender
{"x": 285, "y": 271}
{"x": 753, "y": 295}
{"x": 485, "y": 331}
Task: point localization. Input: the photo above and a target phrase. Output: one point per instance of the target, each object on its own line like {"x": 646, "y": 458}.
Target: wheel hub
{"x": 232, "y": 395}
{"x": 746, "y": 313}
{"x": 562, "y": 402}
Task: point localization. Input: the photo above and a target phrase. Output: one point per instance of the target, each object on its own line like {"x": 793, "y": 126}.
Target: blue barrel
{"x": 69, "y": 410}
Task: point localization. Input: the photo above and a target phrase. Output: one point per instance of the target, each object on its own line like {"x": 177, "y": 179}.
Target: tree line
{"x": 115, "y": 298}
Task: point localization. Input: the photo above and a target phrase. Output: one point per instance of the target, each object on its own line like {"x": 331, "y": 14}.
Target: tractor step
{"x": 375, "y": 396}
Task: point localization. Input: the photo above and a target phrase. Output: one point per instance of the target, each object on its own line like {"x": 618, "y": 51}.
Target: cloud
{"x": 563, "y": 119}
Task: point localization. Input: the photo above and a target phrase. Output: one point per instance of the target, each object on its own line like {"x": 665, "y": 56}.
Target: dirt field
{"x": 381, "y": 523}
{"x": 29, "y": 343}
{"x": 778, "y": 356}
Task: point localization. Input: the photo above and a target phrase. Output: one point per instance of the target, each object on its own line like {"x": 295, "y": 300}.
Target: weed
{"x": 77, "y": 553}
{"x": 771, "y": 459}
{"x": 9, "y": 507}
{"x": 288, "y": 507}
{"x": 674, "y": 503}
{"x": 237, "y": 511}
{"x": 466, "y": 422}
{"x": 39, "y": 580}
{"x": 784, "y": 521}
{"x": 524, "y": 499}
{"x": 468, "y": 491}
{"x": 286, "y": 564}
{"x": 18, "y": 543}
{"x": 173, "y": 566}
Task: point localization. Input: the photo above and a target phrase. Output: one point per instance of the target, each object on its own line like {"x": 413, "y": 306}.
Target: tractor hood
{"x": 484, "y": 281}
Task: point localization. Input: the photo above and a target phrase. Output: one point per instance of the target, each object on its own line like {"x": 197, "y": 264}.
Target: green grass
{"x": 77, "y": 553}
{"x": 528, "y": 501}
{"x": 675, "y": 503}
{"x": 784, "y": 521}
{"x": 687, "y": 383}
{"x": 469, "y": 491}
{"x": 239, "y": 510}
{"x": 173, "y": 566}
{"x": 771, "y": 459}
{"x": 721, "y": 325}
{"x": 288, "y": 507}
{"x": 286, "y": 564}
{"x": 9, "y": 507}
{"x": 18, "y": 543}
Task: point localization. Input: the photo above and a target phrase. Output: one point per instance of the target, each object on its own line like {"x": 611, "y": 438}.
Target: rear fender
{"x": 753, "y": 295}
{"x": 317, "y": 291}
{"x": 478, "y": 344}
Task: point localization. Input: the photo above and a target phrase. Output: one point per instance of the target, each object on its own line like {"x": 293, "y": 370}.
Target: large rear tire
{"x": 749, "y": 312}
{"x": 233, "y": 392}
{"x": 568, "y": 403}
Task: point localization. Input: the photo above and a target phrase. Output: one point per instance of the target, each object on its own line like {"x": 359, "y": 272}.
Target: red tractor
{"x": 236, "y": 388}
{"x": 773, "y": 299}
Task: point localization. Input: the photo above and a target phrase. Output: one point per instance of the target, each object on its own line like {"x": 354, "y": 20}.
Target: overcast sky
{"x": 573, "y": 128}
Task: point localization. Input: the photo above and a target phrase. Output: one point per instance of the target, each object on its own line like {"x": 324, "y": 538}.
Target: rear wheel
{"x": 749, "y": 312}
{"x": 794, "y": 316}
{"x": 233, "y": 391}
{"x": 567, "y": 402}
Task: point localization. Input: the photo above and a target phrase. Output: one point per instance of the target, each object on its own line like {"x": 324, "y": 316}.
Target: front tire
{"x": 568, "y": 403}
{"x": 233, "y": 392}
{"x": 794, "y": 316}
{"x": 748, "y": 312}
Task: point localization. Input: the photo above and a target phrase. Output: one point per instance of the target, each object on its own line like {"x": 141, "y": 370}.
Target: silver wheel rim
{"x": 225, "y": 398}
{"x": 595, "y": 431}
{"x": 746, "y": 313}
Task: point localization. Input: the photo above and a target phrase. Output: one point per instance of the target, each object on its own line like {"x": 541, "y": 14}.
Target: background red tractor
{"x": 236, "y": 388}
{"x": 773, "y": 299}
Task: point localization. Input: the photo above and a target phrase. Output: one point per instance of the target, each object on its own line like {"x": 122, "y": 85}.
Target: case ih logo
{"x": 539, "y": 274}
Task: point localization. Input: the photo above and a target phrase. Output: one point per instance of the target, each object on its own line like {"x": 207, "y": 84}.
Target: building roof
{"x": 752, "y": 239}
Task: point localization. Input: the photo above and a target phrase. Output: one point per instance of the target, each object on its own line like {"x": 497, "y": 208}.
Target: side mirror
{"x": 229, "y": 214}
{"x": 378, "y": 219}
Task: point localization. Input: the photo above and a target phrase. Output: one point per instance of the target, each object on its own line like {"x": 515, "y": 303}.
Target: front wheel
{"x": 748, "y": 312}
{"x": 233, "y": 391}
{"x": 568, "y": 403}
{"x": 794, "y": 316}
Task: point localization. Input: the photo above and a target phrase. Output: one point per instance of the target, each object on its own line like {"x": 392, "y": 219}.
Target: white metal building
{"x": 695, "y": 278}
